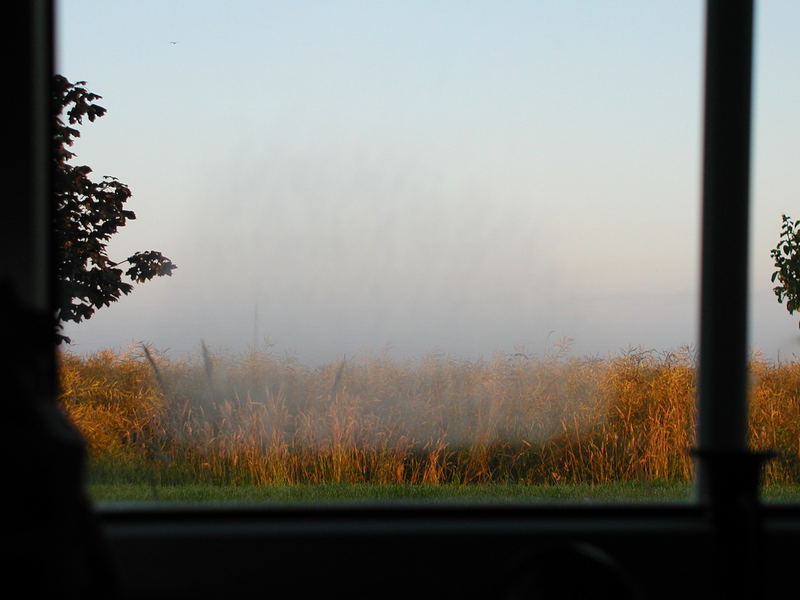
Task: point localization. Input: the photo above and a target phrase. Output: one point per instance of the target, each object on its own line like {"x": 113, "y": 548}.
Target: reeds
{"x": 261, "y": 419}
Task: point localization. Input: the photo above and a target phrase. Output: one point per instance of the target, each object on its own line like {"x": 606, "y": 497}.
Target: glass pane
{"x": 424, "y": 249}
{"x": 775, "y": 387}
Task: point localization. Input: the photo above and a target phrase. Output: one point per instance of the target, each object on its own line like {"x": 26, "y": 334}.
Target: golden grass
{"x": 264, "y": 420}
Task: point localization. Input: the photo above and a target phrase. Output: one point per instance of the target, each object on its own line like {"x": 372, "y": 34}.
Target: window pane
{"x": 775, "y": 339}
{"x": 424, "y": 249}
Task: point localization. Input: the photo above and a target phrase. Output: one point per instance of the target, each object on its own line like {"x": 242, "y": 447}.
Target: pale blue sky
{"x": 466, "y": 177}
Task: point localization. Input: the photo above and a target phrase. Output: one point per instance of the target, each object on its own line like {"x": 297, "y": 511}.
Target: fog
{"x": 352, "y": 178}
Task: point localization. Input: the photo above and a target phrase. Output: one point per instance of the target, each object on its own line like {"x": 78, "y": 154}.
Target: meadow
{"x": 437, "y": 426}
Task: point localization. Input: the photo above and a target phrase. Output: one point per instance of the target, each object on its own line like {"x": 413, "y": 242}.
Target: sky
{"x": 349, "y": 177}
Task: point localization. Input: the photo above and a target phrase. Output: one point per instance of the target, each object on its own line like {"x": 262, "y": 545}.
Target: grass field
{"x": 261, "y": 427}
{"x": 650, "y": 491}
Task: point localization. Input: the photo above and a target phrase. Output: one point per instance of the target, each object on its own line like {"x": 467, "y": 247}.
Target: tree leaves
{"x": 86, "y": 215}
{"x": 787, "y": 262}
{"x": 146, "y": 265}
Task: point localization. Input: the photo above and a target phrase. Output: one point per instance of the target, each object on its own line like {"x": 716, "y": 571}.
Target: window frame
{"x": 724, "y": 528}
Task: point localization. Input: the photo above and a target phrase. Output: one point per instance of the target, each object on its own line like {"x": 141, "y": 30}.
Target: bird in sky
{"x": 173, "y": 43}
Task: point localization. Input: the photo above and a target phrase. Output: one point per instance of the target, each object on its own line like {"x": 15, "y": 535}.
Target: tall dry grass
{"x": 261, "y": 419}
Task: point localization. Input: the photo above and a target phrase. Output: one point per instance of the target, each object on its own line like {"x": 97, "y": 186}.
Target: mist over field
{"x": 340, "y": 179}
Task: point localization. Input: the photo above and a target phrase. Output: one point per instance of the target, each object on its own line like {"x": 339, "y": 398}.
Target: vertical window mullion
{"x": 722, "y": 389}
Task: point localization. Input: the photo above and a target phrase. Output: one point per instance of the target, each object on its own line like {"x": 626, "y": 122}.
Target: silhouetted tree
{"x": 787, "y": 263}
{"x": 86, "y": 215}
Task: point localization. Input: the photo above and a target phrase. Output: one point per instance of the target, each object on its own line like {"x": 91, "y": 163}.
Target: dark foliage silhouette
{"x": 787, "y": 262}
{"x": 86, "y": 215}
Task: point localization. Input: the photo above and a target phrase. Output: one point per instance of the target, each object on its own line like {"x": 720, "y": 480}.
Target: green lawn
{"x": 650, "y": 491}
{"x": 628, "y": 491}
